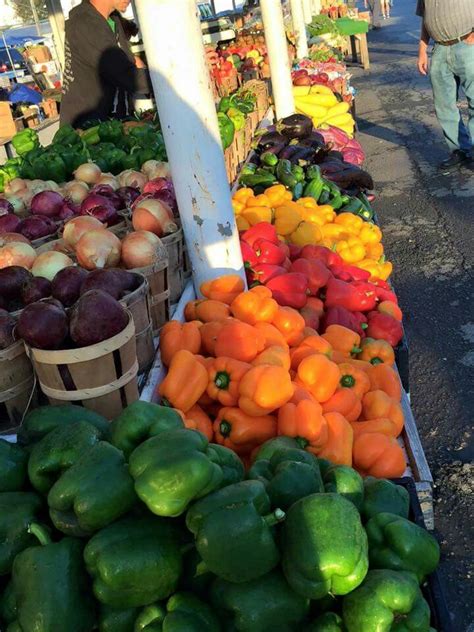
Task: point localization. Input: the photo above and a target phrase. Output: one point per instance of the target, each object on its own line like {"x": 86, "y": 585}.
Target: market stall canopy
{"x": 19, "y": 36}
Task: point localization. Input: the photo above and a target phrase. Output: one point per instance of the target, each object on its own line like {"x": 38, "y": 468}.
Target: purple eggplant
{"x": 295, "y": 126}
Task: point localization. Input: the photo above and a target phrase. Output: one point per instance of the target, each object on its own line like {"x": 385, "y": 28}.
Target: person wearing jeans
{"x": 451, "y": 26}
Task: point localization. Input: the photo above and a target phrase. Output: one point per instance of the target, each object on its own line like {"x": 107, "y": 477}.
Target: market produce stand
{"x": 6, "y": 142}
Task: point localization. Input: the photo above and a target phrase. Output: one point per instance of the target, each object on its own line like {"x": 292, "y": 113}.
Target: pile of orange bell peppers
{"x": 243, "y": 369}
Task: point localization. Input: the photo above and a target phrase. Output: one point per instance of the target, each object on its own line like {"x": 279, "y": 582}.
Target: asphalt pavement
{"x": 427, "y": 222}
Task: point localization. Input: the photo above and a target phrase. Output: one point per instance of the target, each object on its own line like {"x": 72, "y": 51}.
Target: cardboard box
{"x": 7, "y": 123}
{"x": 47, "y": 67}
{"x": 50, "y": 108}
{"x": 38, "y": 54}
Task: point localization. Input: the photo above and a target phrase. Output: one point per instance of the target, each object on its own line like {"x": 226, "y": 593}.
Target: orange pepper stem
{"x": 222, "y": 380}
{"x": 274, "y": 518}
{"x": 376, "y": 361}
{"x": 347, "y": 381}
{"x": 225, "y": 428}
{"x": 302, "y": 442}
{"x": 166, "y": 402}
{"x": 355, "y": 350}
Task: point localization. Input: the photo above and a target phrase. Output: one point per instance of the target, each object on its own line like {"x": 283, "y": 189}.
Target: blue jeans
{"x": 451, "y": 67}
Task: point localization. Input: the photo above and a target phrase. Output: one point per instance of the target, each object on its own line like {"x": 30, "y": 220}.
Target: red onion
{"x": 68, "y": 210}
{"x": 128, "y": 195}
{"x": 9, "y": 223}
{"x": 107, "y": 191}
{"x": 162, "y": 189}
{"x": 101, "y": 208}
{"x": 5, "y": 207}
{"x": 35, "y": 227}
{"x": 46, "y": 203}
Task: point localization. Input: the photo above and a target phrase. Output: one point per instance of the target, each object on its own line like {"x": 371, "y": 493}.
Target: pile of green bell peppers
{"x": 143, "y": 525}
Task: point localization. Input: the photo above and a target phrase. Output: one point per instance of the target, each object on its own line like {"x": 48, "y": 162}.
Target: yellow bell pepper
{"x": 276, "y": 194}
{"x": 256, "y": 214}
{"x": 237, "y": 206}
{"x": 352, "y": 222}
{"x": 371, "y": 266}
{"x": 385, "y": 271}
{"x": 312, "y": 215}
{"x": 351, "y": 250}
{"x": 306, "y": 234}
{"x": 242, "y": 195}
{"x": 242, "y": 223}
{"x": 261, "y": 200}
{"x": 287, "y": 218}
{"x": 335, "y": 232}
{"x": 328, "y": 213}
{"x": 307, "y": 202}
{"x": 374, "y": 251}
{"x": 370, "y": 234}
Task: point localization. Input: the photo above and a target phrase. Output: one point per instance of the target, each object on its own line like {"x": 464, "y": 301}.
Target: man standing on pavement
{"x": 451, "y": 25}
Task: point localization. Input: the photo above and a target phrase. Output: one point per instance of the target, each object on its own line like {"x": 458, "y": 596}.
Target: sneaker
{"x": 457, "y": 158}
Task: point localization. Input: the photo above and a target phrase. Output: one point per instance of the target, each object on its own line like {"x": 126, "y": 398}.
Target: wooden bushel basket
{"x": 101, "y": 377}
{"x": 174, "y": 244}
{"x": 16, "y": 385}
{"x": 138, "y": 304}
{"x": 157, "y": 277}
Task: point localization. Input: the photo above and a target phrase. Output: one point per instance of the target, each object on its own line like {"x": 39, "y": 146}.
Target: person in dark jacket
{"x": 101, "y": 74}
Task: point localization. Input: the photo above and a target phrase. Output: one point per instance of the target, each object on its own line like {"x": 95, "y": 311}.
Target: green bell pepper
{"x": 232, "y": 467}
{"x": 131, "y": 161}
{"x": 117, "y": 619}
{"x": 42, "y": 420}
{"x": 175, "y": 468}
{"x": 51, "y": 586}
{"x": 8, "y": 609}
{"x": 59, "y": 450}
{"x": 194, "y": 577}
{"x": 110, "y": 131}
{"x": 243, "y": 513}
{"x": 298, "y": 173}
{"x": 13, "y": 467}
{"x": 344, "y": 480}
{"x": 288, "y": 476}
{"x": 400, "y": 545}
{"x": 327, "y": 622}
{"x": 73, "y": 156}
{"x": 25, "y": 141}
{"x": 78, "y": 505}
{"x": 4, "y": 179}
{"x": 140, "y": 421}
{"x": 17, "y": 511}
{"x": 142, "y": 133}
{"x": 246, "y": 105}
{"x": 50, "y": 167}
{"x": 324, "y": 546}
{"x": 226, "y": 129}
{"x": 237, "y": 118}
{"x": 12, "y": 167}
{"x": 183, "y": 612}
{"x": 66, "y": 135}
{"x": 386, "y": 601}
{"x": 270, "y": 447}
{"x": 91, "y": 136}
{"x": 224, "y": 104}
{"x": 382, "y": 496}
{"x": 26, "y": 168}
{"x": 266, "y": 604}
{"x": 284, "y": 173}
{"x": 135, "y": 561}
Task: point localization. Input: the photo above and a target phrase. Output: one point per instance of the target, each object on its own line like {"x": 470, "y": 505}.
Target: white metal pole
{"x": 307, "y": 10}
{"x": 181, "y": 82}
{"x": 299, "y": 28}
{"x": 316, "y": 7}
{"x": 277, "y": 47}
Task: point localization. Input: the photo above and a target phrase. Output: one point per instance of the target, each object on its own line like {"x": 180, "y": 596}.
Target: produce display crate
{"x": 174, "y": 244}
{"x": 138, "y": 304}
{"x": 17, "y": 386}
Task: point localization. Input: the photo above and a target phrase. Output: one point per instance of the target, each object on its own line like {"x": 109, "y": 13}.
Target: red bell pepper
{"x": 248, "y": 255}
{"x": 287, "y": 264}
{"x": 384, "y": 327}
{"x": 356, "y": 296}
{"x": 312, "y": 312}
{"x": 295, "y": 252}
{"x": 381, "y": 283}
{"x": 269, "y": 252}
{"x": 289, "y": 290}
{"x": 315, "y": 271}
{"x": 345, "y": 272}
{"x": 265, "y": 272}
{"x": 285, "y": 248}
{"x": 328, "y": 257}
{"x": 345, "y": 318}
{"x": 263, "y": 230}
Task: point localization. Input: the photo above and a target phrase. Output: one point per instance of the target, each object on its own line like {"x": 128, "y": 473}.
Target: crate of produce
{"x": 138, "y": 304}
{"x": 17, "y": 386}
{"x": 157, "y": 276}
{"x": 101, "y": 377}
{"x": 174, "y": 244}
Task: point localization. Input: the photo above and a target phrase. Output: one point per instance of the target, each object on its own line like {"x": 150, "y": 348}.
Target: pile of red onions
{"x": 100, "y": 207}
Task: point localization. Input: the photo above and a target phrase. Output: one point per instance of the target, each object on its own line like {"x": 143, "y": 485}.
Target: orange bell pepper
{"x": 210, "y": 310}
{"x": 376, "y": 352}
{"x": 263, "y": 389}
{"x": 334, "y": 232}
{"x": 239, "y": 341}
{"x": 383, "y": 426}
{"x": 342, "y": 339}
{"x": 224, "y": 288}
{"x": 309, "y": 331}
{"x": 301, "y": 393}
{"x": 185, "y": 382}
{"x": 224, "y": 379}
{"x": 286, "y": 218}
{"x": 261, "y": 200}
{"x": 370, "y": 233}
{"x": 305, "y": 423}
{"x": 384, "y": 378}
{"x": 351, "y": 222}
{"x": 344, "y": 402}
{"x": 338, "y": 447}
{"x": 197, "y": 419}
{"x": 309, "y": 346}
{"x": 351, "y": 249}
{"x": 375, "y": 454}
{"x": 377, "y": 404}
{"x": 240, "y": 432}
{"x": 175, "y": 336}
{"x": 374, "y": 251}
{"x": 319, "y": 375}
{"x": 256, "y": 305}
{"x": 290, "y": 324}
{"x": 354, "y": 378}
{"x": 273, "y": 337}
{"x": 190, "y": 310}
{"x": 391, "y": 308}
{"x": 276, "y": 356}
{"x": 209, "y": 332}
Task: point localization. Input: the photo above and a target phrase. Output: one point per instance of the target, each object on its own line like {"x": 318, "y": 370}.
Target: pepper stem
{"x": 222, "y": 380}
{"x": 302, "y": 442}
{"x": 225, "y": 428}
{"x": 376, "y": 361}
{"x": 274, "y": 518}
{"x": 347, "y": 381}
{"x": 356, "y": 350}
{"x": 40, "y": 532}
